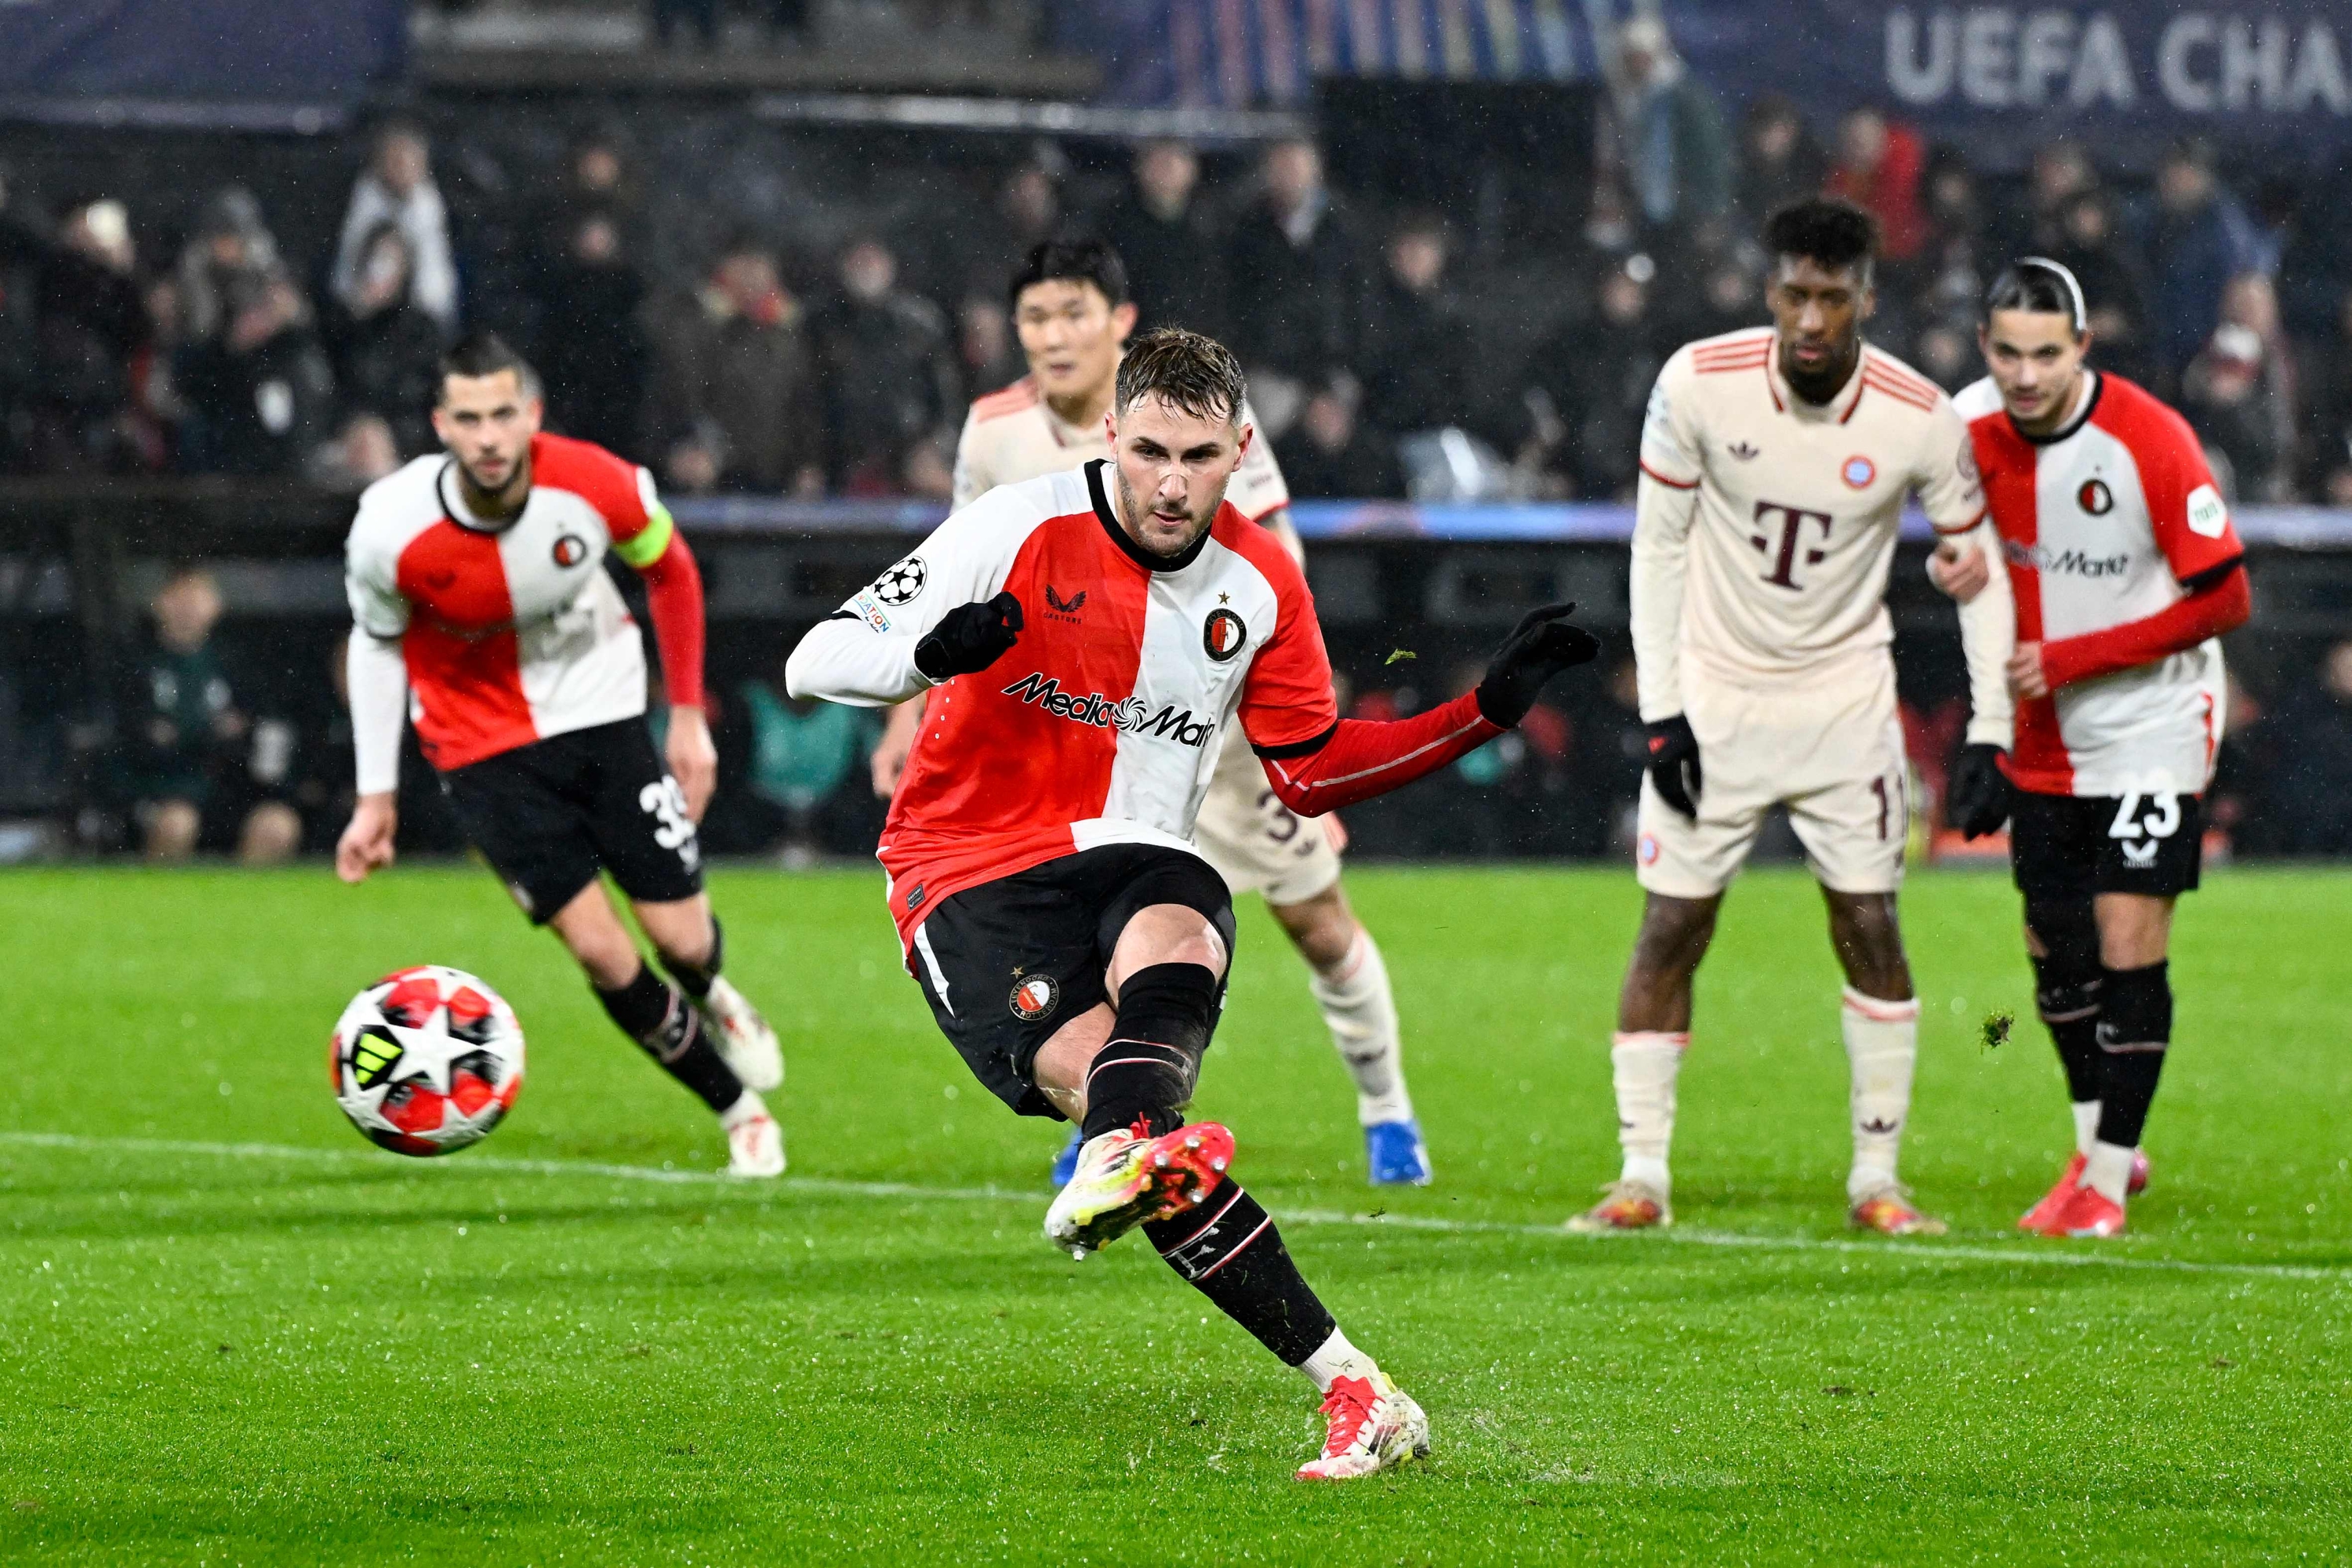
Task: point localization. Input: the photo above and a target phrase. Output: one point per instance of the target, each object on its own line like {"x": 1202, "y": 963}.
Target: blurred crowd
{"x": 1389, "y": 357}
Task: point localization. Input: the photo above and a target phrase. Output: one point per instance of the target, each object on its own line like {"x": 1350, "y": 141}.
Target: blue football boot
{"x": 1396, "y": 1154}
{"x": 1065, "y": 1164}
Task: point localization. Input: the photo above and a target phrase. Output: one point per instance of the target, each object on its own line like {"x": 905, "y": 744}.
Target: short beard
{"x": 1818, "y": 389}
{"x": 1134, "y": 511}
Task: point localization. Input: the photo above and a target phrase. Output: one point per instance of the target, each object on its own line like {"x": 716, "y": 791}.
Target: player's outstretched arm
{"x": 378, "y": 681}
{"x": 1356, "y": 760}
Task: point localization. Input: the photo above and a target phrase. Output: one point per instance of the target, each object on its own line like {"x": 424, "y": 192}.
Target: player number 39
{"x": 666, "y": 802}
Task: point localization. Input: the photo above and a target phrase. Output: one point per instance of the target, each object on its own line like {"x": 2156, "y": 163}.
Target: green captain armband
{"x": 646, "y": 545}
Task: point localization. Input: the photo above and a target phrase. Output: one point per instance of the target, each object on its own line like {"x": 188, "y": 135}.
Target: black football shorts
{"x": 1006, "y": 963}
{"x": 2073, "y": 846}
{"x": 551, "y": 814}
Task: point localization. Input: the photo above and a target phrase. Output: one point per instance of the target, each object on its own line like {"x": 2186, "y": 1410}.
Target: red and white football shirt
{"x": 512, "y": 632}
{"x": 1102, "y": 725}
{"x": 2102, "y": 525}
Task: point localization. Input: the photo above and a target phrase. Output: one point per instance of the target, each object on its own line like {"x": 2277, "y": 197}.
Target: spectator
{"x": 2061, "y": 172}
{"x": 185, "y": 759}
{"x": 1418, "y": 347}
{"x": 1597, "y": 374}
{"x": 1026, "y": 214}
{"x": 261, "y": 392}
{"x": 2239, "y": 393}
{"x": 1677, "y": 154}
{"x": 889, "y": 378}
{"x": 1162, "y": 234}
{"x": 2116, "y": 285}
{"x": 1725, "y": 298}
{"x": 734, "y": 384}
{"x": 986, "y": 350}
{"x": 386, "y": 350}
{"x": 397, "y": 187}
{"x": 229, "y": 258}
{"x": 2201, "y": 238}
{"x": 1298, "y": 279}
{"x": 1779, "y": 160}
{"x": 592, "y": 348}
{"x": 1878, "y": 169}
{"x": 1326, "y": 456}
{"x": 89, "y": 331}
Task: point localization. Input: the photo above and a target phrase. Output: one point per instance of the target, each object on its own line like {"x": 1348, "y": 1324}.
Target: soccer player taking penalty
{"x": 482, "y": 608}
{"x": 1071, "y": 309}
{"x": 2125, "y": 569}
{"x": 1088, "y": 639}
{"x": 1775, "y": 463}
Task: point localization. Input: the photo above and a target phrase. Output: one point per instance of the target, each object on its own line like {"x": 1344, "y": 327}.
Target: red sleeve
{"x": 2221, "y": 607}
{"x": 674, "y": 599}
{"x": 1357, "y": 759}
{"x": 2185, "y": 509}
{"x": 1287, "y": 696}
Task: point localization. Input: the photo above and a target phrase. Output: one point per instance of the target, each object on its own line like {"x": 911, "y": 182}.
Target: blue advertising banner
{"x": 2001, "y": 80}
{"x": 314, "y": 52}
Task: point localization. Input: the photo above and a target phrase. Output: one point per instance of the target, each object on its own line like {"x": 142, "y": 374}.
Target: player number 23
{"x": 666, "y": 802}
{"x": 2163, "y": 824}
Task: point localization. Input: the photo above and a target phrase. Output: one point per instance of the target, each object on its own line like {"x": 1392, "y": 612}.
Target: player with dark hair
{"x": 1091, "y": 639}
{"x": 483, "y": 610}
{"x": 2126, "y": 569}
{"x": 1070, "y": 306}
{"x": 1775, "y": 463}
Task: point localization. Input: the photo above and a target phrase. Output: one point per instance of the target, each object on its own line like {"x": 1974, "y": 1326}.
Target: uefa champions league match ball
{"x": 427, "y": 1060}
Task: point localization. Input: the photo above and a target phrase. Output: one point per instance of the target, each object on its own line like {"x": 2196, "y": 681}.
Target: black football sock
{"x": 1145, "y": 1072}
{"x": 2069, "y": 1004}
{"x": 1229, "y": 1249}
{"x": 695, "y": 979}
{"x": 656, "y": 1015}
{"x": 2135, "y": 1030}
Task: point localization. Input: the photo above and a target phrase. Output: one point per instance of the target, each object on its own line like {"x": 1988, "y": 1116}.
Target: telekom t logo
{"x": 1782, "y": 552}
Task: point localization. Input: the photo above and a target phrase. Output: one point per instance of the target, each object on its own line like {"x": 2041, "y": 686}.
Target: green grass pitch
{"x": 235, "y": 1334}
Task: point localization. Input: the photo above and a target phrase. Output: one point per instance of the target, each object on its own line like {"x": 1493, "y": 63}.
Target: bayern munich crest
{"x": 1223, "y": 635}
{"x": 903, "y": 582}
{"x": 1858, "y": 472}
{"x": 1034, "y": 996}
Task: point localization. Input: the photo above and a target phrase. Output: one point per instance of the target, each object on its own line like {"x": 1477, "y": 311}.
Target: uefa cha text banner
{"x": 2002, "y": 79}
{"x": 138, "y": 53}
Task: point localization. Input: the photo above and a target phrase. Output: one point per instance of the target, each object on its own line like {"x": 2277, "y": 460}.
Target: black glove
{"x": 1541, "y": 645}
{"x": 970, "y": 638}
{"x": 1673, "y": 764}
{"x": 1977, "y": 798}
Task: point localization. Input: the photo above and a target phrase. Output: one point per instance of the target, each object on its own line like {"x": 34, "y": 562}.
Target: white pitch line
{"x": 1914, "y": 1251}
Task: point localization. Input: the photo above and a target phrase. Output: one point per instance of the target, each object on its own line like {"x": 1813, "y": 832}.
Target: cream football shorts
{"x": 1831, "y": 754}
{"x": 1257, "y": 844}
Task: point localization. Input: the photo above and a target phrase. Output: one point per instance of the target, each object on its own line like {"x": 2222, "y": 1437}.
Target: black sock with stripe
{"x": 658, "y": 1018}
{"x": 1145, "y": 1072}
{"x": 1230, "y": 1251}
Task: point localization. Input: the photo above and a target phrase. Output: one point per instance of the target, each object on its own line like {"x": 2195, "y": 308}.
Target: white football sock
{"x": 1337, "y": 1358}
{"x": 2087, "y": 1126}
{"x": 2109, "y": 1170}
{"x": 1643, "y": 1064}
{"x": 1881, "y": 1045}
{"x": 743, "y": 1110}
{"x": 1361, "y": 1011}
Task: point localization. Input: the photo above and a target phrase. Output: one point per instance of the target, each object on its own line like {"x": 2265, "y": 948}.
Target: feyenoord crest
{"x": 903, "y": 582}
{"x": 2096, "y": 498}
{"x": 1223, "y": 635}
{"x": 1033, "y": 996}
{"x": 571, "y": 549}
